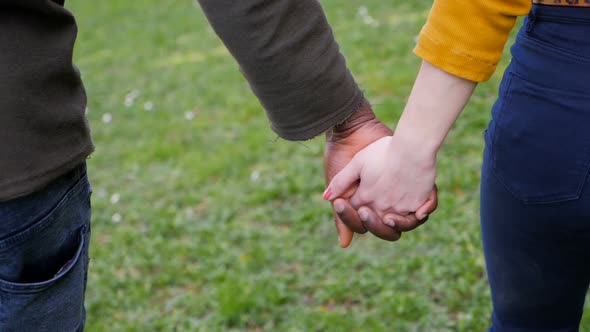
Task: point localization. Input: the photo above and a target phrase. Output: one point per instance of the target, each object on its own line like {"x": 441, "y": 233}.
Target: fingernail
{"x": 364, "y": 215}
{"x": 389, "y": 222}
{"x": 423, "y": 217}
{"x": 327, "y": 193}
{"x": 339, "y": 207}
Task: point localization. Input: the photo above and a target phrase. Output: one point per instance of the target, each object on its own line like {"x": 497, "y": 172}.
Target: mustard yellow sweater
{"x": 466, "y": 37}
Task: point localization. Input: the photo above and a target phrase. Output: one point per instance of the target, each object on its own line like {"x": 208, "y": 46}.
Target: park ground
{"x": 205, "y": 221}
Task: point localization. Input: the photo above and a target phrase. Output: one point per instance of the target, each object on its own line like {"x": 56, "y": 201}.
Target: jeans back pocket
{"x": 541, "y": 144}
{"x": 43, "y": 268}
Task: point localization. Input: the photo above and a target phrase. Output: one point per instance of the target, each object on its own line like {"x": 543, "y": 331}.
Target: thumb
{"x": 429, "y": 206}
{"x": 345, "y": 235}
{"x": 343, "y": 180}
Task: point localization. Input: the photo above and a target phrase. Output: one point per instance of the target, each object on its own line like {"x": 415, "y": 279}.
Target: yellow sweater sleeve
{"x": 466, "y": 37}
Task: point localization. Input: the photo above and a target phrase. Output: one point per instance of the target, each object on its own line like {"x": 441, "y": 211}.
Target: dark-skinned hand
{"x": 342, "y": 143}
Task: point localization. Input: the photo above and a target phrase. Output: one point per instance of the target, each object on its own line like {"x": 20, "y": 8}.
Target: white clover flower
{"x": 254, "y": 176}
{"x": 116, "y": 218}
{"x": 363, "y": 11}
{"x": 115, "y": 198}
{"x": 148, "y": 106}
{"x": 107, "y": 118}
{"x": 367, "y": 19}
{"x": 189, "y": 115}
{"x": 130, "y": 97}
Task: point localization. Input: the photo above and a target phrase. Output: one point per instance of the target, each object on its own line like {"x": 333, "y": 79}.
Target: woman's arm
{"x": 460, "y": 44}
{"x": 434, "y": 104}
{"x": 397, "y": 173}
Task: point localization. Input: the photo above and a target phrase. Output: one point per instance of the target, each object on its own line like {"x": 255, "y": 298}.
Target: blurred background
{"x": 205, "y": 221}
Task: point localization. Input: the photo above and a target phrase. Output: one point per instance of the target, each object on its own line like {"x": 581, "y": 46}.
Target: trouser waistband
{"x": 568, "y": 3}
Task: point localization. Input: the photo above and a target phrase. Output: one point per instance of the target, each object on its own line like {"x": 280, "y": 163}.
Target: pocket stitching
{"x": 543, "y": 199}
{"x": 45, "y": 221}
{"x": 23, "y": 288}
{"x": 549, "y": 47}
{"x": 505, "y": 99}
{"x": 572, "y": 93}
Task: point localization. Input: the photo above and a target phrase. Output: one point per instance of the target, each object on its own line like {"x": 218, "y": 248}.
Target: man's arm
{"x": 287, "y": 52}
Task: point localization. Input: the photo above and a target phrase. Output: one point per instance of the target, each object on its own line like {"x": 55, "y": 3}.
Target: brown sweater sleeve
{"x": 287, "y": 52}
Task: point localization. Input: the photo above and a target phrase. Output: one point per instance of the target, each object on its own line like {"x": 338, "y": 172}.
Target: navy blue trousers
{"x": 535, "y": 190}
{"x": 44, "y": 240}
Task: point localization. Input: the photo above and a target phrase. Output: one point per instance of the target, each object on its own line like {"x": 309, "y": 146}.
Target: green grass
{"x": 204, "y": 221}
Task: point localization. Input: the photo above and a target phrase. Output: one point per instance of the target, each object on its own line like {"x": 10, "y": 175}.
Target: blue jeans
{"x": 535, "y": 190}
{"x": 44, "y": 241}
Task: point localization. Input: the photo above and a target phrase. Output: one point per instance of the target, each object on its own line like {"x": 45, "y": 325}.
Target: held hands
{"x": 394, "y": 176}
{"x": 396, "y": 180}
{"x": 344, "y": 152}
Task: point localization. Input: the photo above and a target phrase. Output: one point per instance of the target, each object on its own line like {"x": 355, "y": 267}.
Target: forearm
{"x": 436, "y": 101}
{"x": 288, "y": 54}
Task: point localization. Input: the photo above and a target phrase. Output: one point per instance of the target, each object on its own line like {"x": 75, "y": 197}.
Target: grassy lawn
{"x": 204, "y": 221}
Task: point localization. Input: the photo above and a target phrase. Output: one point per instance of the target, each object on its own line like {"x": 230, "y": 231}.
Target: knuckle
{"x": 381, "y": 206}
{"x": 364, "y": 197}
{"x": 402, "y": 210}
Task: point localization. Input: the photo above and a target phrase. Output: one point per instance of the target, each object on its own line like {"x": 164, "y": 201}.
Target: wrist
{"x": 420, "y": 147}
{"x": 361, "y": 117}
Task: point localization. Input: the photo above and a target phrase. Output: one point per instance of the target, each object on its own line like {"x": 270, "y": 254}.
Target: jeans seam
{"x": 577, "y": 58}
{"x": 46, "y": 220}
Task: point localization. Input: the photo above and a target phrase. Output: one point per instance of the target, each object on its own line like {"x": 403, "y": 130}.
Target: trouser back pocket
{"x": 541, "y": 144}
{"x": 43, "y": 268}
